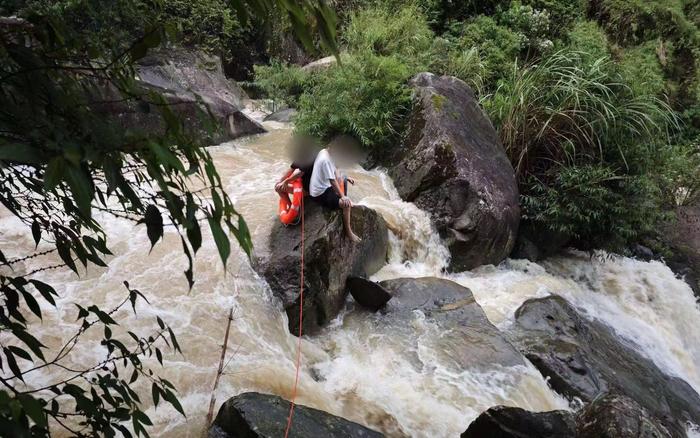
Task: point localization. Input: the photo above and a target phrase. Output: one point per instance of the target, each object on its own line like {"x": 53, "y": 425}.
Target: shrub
{"x": 562, "y": 13}
{"x": 566, "y": 108}
{"x": 641, "y": 70}
{"x": 589, "y": 40}
{"x": 282, "y": 83}
{"x": 403, "y": 33}
{"x": 595, "y": 205}
{"x": 532, "y": 24}
{"x": 366, "y": 97}
{"x": 584, "y": 147}
{"x": 465, "y": 64}
{"x": 498, "y": 45}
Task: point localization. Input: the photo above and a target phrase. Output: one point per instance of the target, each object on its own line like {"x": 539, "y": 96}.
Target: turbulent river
{"x": 392, "y": 381}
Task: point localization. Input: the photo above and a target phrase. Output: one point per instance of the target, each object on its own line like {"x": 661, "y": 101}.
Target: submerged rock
{"x": 283, "y": 116}
{"x": 368, "y": 293}
{"x": 329, "y": 259}
{"x": 470, "y": 340}
{"x": 508, "y": 422}
{"x": 454, "y": 166}
{"x": 254, "y": 415}
{"x": 584, "y": 359}
{"x": 616, "y": 416}
{"x": 194, "y": 84}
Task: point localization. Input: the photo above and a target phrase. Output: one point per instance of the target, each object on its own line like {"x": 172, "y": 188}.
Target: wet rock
{"x": 254, "y": 415}
{"x": 329, "y": 259}
{"x": 535, "y": 243}
{"x": 367, "y": 293}
{"x": 585, "y": 358}
{"x": 454, "y": 166}
{"x": 193, "y": 84}
{"x": 616, "y": 416}
{"x": 282, "y": 116}
{"x": 682, "y": 237}
{"x": 470, "y": 340}
{"x": 320, "y": 64}
{"x": 508, "y": 422}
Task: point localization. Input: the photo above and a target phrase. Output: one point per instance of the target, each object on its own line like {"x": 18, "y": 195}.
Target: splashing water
{"x": 390, "y": 379}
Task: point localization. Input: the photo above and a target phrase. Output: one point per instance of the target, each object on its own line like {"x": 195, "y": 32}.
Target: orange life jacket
{"x": 289, "y": 210}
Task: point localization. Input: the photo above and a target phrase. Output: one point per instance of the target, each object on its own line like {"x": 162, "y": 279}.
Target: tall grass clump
{"x": 282, "y": 83}
{"x": 584, "y": 147}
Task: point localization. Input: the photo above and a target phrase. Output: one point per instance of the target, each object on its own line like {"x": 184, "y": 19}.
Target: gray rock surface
{"x": 682, "y": 236}
{"x": 194, "y": 85}
{"x": 616, "y": 416}
{"x": 470, "y": 340}
{"x": 254, "y": 415}
{"x": 284, "y": 116}
{"x": 509, "y": 422}
{"x": 329, "y": 259}
{"x": 585, "y": 359}
{"x": 453, "y": 166}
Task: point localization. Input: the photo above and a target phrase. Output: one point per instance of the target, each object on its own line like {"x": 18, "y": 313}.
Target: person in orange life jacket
{"x": 325, "y": 187}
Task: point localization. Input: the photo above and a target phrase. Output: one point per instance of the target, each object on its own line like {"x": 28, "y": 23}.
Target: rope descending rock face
{"x": 301, "y": 322}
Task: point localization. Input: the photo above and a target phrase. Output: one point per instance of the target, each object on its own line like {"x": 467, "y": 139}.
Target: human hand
{"x": 345, "y": 202}
{"x": 351, "y": 180}
{"x": 279, "y": 187}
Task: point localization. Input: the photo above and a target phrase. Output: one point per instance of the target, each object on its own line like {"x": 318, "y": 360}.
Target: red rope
{"x": 301, "y": 319}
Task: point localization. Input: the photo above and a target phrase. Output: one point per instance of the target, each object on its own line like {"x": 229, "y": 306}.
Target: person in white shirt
{"x": 325, "y": 189}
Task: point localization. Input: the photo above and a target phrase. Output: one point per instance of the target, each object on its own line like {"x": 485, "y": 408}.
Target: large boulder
{"x": 453, "y": 165}
{"x": 194, "y": 85}
{"x": 608, "y": 416}
{"x": 617, "y": 416}
{"x": 467, "y": 336}
{"x": 509, "y": 422}
{"x": 329, "y": 258}
{"x": 682, "y": 237}
{"x": 254, "y": 415}
{"x": 585, "y": 358}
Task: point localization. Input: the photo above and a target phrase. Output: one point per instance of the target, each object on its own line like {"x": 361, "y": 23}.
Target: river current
{"x": 390, "y": 380}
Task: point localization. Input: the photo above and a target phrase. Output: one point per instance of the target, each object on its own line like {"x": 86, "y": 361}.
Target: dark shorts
{"x": 328, "y": 199}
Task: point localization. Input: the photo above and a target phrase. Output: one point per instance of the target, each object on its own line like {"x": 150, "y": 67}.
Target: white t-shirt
{"x": 324, "y": 172}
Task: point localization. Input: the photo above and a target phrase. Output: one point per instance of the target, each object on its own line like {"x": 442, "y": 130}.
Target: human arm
{"x": 287, "y": 178}
{"x": 344, "y": 200}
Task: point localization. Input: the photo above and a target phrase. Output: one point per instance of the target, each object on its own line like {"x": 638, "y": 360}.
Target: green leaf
{"x": 170, "y": 397}
{"x": 34, "y": 409}
{"x": 154, "y": 224}
{"x": 36, "y": 232}
{"x": 45, "y": 290}
{"x": 54, "y": 172}
{"x": 31, "y": 303}
{"x": 155, "y": 393}
{"x": 222, "y": 242}
{"x": 20, "y": 153}
{"x": 13, "y": 364}
{"x": 21, "y": 353}
{"x": 81, "y": 187}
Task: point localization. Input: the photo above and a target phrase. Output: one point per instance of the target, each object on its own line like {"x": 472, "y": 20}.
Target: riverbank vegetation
{"x": 596, "y": 103}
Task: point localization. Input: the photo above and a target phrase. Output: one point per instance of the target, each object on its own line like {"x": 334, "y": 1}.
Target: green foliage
{"x": 587, "y": 38}
{"x": 596, "y": 205}
{"x": 562, "y": 13}
{"x": 403, "y": 33}
{"x": 366, "y": 97}
{"x": 282, "y": 83}
{"x": 449, "y": 59}
{"x": 533, "y": 25}
{"x": 641, "y": 70}
{"x": 571, "y": 130}
{"x": 498, "y": 46}
{"x": 209, "y": 24}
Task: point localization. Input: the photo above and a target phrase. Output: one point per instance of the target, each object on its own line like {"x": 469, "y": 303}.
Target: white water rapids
{"x": 393, "y": 382}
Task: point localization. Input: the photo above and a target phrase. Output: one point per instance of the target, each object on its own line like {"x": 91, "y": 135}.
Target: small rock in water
{"x": 368, "y": 293}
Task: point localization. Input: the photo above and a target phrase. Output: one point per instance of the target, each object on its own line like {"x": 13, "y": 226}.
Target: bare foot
{"x": 354, "y": 237}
